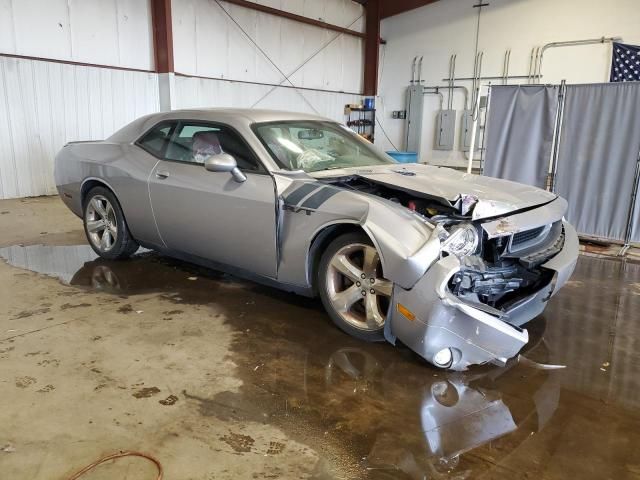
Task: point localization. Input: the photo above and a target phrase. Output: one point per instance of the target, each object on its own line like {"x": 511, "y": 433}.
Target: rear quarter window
{"x": 155, "y": 141}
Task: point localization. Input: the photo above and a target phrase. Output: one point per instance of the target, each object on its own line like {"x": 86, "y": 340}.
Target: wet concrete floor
{"x": 347, "y": 409}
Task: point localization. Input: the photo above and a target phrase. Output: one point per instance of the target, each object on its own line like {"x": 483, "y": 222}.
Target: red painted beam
{"x": 162, "y": 35}
{"x": 394, "y": 7}
{"x": 372, "y": 46}
{"x": 293, "y": 16}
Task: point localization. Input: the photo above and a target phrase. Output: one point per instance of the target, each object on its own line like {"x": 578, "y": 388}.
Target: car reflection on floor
{"x": 456, "y": 414}
{"x": 381, "y": 409}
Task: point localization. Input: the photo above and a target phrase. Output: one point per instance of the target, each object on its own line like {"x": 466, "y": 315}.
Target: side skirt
{"x": 306, "y": 291}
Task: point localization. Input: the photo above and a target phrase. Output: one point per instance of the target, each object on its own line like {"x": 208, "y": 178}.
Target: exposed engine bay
{"x": 497, "y": 272}
{"x": 500, "y": 284}
{"x": 433, "y": 208}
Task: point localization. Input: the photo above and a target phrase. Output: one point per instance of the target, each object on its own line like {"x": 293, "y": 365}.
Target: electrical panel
{"x": 465, "y": 131}
{"x": 415, "y": 107}
{"x": 445, "y": 130}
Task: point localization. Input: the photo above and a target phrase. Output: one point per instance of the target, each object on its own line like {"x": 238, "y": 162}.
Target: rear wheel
{"x": 353, "y": 288}
{"x": 105, "y": 226}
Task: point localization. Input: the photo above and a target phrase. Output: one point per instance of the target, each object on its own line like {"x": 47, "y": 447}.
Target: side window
{"x": 195, "y": 142}
{"x": 156, "y": 140}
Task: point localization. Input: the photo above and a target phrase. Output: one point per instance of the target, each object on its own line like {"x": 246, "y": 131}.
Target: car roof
{"x": 251, "y": 114}
{"x": 233, "y": 116}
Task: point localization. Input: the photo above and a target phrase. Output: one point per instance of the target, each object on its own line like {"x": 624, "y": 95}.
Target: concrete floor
{"x": 220, "y": 378}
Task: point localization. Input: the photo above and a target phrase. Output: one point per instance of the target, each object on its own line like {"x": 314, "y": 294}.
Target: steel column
{"x": 372, "y": 46}
{"x": 162, "y": 35}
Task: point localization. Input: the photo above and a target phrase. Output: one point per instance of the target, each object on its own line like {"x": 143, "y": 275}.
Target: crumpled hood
{"x": 495, "y": 196}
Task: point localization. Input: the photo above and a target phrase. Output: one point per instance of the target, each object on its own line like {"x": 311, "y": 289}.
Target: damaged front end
{"x": 507, "y": 269}
{"x": 499, "y": 262}
{"x": 492, "y": 277}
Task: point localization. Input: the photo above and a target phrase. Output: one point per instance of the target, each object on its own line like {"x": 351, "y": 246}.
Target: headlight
{"x": 462, "y": 240}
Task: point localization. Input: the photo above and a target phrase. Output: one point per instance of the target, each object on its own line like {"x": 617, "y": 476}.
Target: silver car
{"x": 452, "y": 265}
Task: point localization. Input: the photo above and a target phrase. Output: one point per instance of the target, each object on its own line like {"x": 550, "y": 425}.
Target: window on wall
{"x": 195, "y": 142}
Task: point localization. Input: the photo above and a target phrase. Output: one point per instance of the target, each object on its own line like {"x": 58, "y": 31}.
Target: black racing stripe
{"x": 299, "y": 193}
{"x": 318, "y": 198}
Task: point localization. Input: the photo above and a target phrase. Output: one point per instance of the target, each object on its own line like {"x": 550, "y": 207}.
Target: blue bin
{"x": 404, "y": 157}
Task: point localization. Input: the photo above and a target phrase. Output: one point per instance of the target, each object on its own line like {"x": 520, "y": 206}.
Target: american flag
{"x": 625, "y": 63}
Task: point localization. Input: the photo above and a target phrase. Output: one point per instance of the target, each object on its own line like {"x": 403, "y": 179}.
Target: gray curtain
{"x": 598, "y": 151}
{"x": 519, "y": 135}
{"x": 635, "y": 230}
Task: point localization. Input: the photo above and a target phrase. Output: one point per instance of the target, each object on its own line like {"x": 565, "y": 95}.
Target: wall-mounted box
{"x": 445, "y": 130}
{"x": 415, "y": 107}
{"x": 465, "y": 131}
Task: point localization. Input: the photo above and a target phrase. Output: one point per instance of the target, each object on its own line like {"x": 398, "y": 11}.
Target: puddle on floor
{"x": 145, "y": 272}
{"x": 375, "y": 411}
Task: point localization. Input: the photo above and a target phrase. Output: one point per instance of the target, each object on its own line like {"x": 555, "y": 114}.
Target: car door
{"x": 209, "y": 214}
{"x": 133, "y": 195}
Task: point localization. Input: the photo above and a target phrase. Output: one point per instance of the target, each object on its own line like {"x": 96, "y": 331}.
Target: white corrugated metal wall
{"x": 209, "y": 43}
{"x": 194, "y": 92}
{"x": 107, "y": 32}
{"x": 45, "y": 104}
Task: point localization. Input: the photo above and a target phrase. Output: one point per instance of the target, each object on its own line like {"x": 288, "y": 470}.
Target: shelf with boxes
{"x": 361, "y": 118}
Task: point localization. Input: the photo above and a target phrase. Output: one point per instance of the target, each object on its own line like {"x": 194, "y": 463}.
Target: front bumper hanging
{"x": 475, "y": 334}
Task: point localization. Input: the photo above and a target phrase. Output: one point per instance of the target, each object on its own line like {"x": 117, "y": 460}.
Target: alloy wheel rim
{"x": 101, "y": 223}
{"x": 356, "y": 287}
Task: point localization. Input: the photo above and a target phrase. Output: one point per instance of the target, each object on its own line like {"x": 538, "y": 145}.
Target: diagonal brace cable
{"x": 265, "y": 55}
{"x": 311, "y": 57}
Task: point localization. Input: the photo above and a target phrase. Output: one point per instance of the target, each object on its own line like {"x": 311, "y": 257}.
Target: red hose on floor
{"x": 114, "y": 456}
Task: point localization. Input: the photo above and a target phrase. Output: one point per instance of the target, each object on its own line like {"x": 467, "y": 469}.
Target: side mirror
{"x": 223, "y": 162}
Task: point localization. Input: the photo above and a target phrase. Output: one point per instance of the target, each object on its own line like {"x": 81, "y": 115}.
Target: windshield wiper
{"x": 333, "y": 167}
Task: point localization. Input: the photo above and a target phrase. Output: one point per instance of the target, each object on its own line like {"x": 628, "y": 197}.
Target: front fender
{"x": 404, "y": 240}
{"x": 407, "y": 245}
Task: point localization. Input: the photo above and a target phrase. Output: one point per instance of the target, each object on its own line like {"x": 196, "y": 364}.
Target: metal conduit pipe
{"x": 452, "y": 74}
{"x": 505, "y": 66}
{"x": 570, "y": 43}
{"x": 533, "y": 62}
{"x": 413, "y": 70}
{"x": 464, "y": 89}
{"x": 477, "y": 74}
{"x": 436, "y": 92}
{"x": 534, "y": 77}
{"x": 474, "y": 128}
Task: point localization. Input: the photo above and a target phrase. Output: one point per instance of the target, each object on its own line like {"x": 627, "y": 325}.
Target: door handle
{"x": 162, "y": 175}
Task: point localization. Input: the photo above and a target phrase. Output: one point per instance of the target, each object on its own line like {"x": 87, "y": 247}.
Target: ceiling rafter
{"x": 390, "y": 8}
{"x": 292, "y": 16}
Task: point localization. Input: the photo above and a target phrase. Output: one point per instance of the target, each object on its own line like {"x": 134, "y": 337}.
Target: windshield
{"x": 313, "y": 146}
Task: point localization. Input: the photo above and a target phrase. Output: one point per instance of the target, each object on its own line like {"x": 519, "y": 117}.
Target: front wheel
{"x": 353, "y": 288}
{"x": 105, "y": 226}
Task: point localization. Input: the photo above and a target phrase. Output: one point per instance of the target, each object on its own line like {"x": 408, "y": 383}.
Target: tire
{"x": 105, "y": 226}
{"x": 358, "y": 305}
